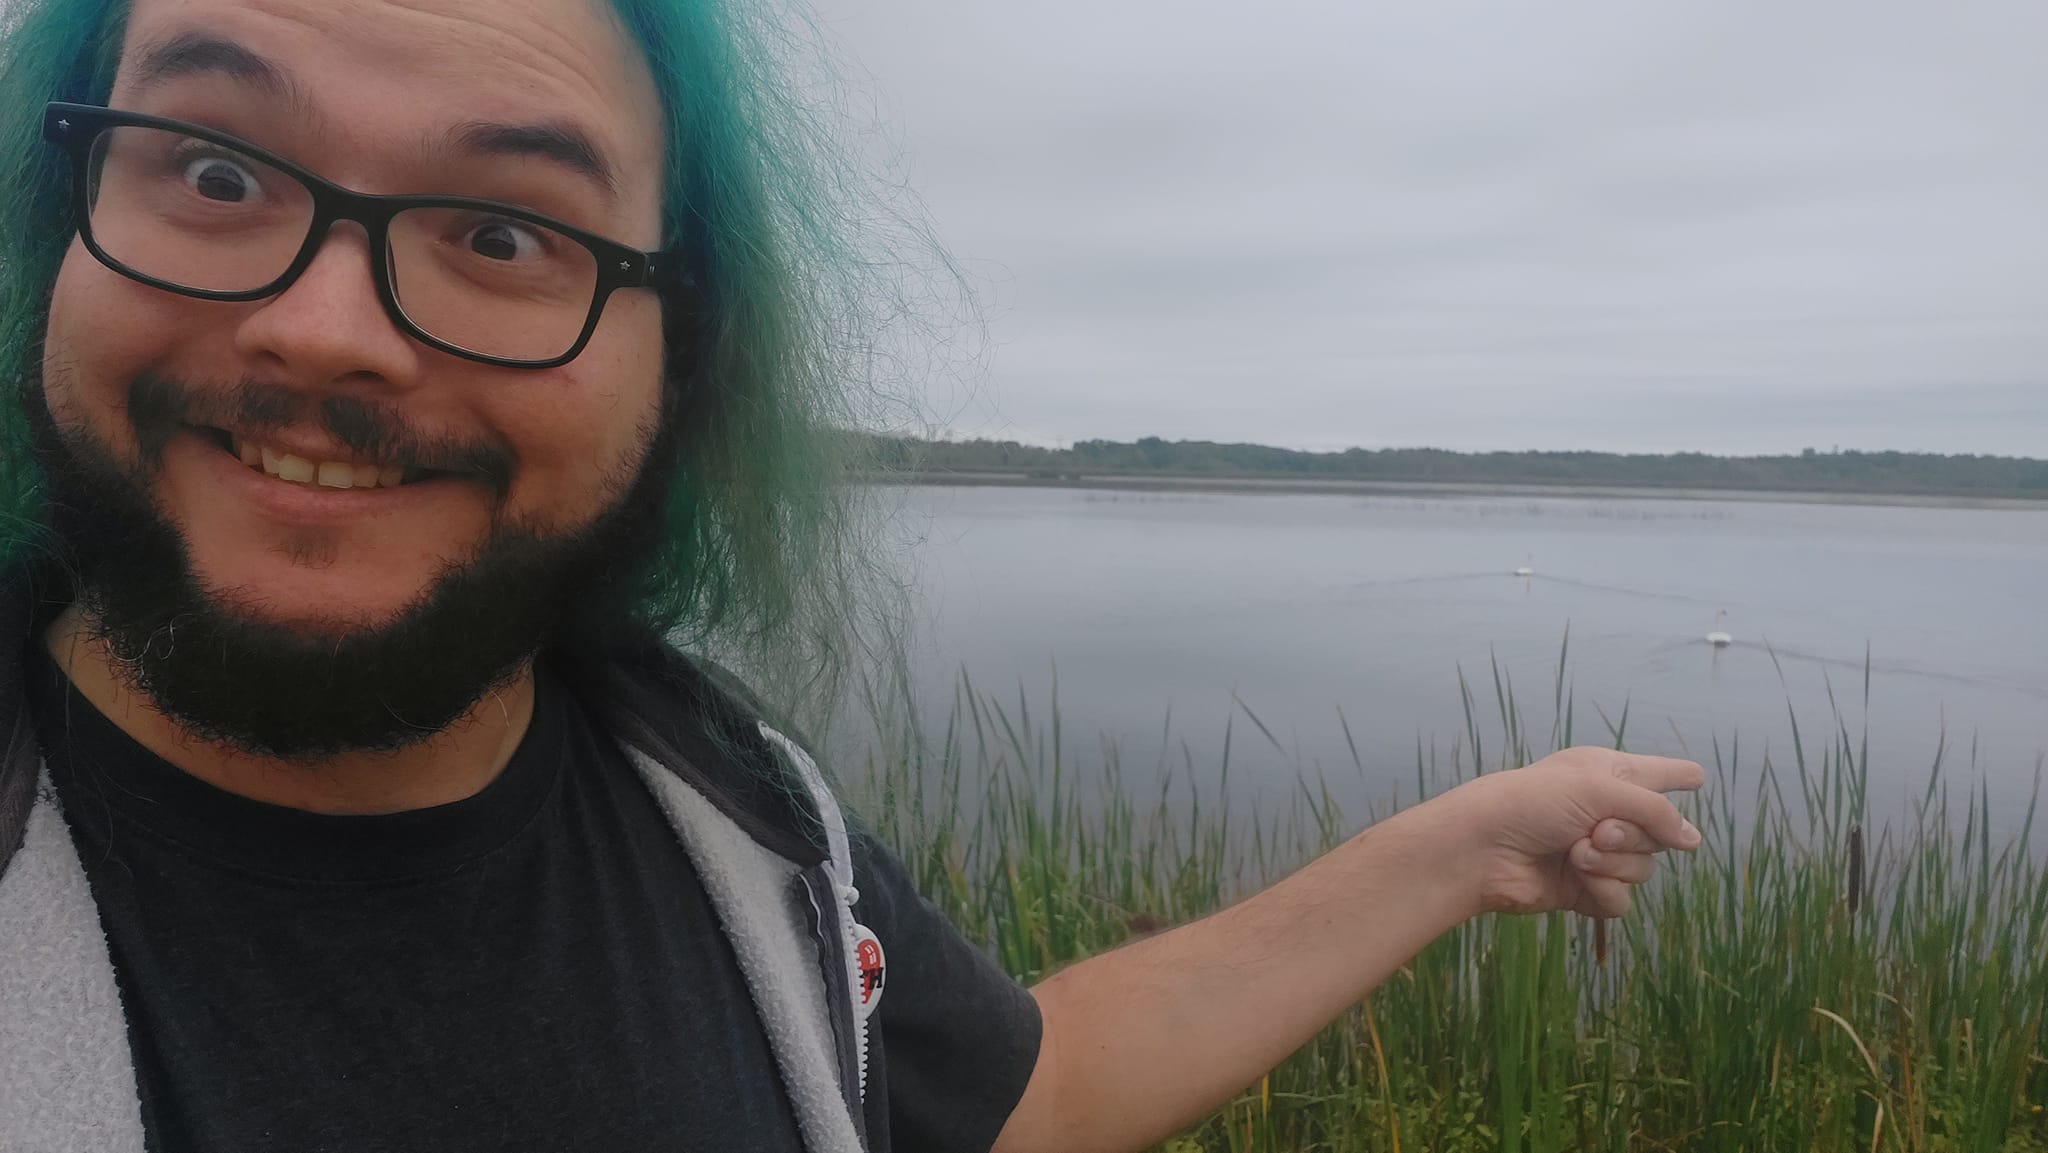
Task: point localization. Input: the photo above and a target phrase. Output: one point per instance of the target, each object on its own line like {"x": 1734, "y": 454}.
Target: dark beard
{"x": 228, "y": 676}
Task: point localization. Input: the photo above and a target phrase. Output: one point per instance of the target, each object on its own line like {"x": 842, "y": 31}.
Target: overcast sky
{"x": 1722, "y": 225}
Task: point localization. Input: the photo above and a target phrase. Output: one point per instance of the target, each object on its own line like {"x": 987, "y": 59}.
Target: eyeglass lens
{"x": 206, "y": 217}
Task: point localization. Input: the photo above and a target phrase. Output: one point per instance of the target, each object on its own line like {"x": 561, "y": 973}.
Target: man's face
{"x": 379, "y": 97}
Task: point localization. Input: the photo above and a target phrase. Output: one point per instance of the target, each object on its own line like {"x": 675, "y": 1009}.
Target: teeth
{"x": 326, "y": 473}
{"x": 296, "y": 469}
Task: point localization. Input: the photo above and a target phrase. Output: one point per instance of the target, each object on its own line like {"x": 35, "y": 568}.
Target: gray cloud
{"x": 1701, "y": 224}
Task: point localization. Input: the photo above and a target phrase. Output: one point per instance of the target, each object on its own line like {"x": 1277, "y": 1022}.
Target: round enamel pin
{"x": 867, "y": 957}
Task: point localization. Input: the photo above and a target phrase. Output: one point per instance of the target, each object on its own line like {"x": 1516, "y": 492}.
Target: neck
{"x": 455, "y": 763}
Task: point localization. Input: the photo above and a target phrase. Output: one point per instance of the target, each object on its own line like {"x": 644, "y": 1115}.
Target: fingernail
{"x": 1611, "y": 837}
{"x": 1691, "y": 835}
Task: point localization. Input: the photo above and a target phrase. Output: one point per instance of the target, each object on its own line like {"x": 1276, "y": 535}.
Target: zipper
{"x": 816, "y": 885}
{"x": 839, "y": 857}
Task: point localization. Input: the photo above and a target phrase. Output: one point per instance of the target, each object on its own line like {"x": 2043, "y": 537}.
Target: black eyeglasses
{"x": 200, "y": 213}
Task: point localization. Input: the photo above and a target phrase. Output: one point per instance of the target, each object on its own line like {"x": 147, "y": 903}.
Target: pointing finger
{"x": 1658, "y": 774}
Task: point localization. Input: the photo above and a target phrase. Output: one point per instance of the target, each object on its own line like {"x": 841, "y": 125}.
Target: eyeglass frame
{"x": 75, "y": 127}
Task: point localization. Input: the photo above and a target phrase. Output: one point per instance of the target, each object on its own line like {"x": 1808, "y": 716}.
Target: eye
{"x": 506, "y": 240}
{"x": 219, "y": 178}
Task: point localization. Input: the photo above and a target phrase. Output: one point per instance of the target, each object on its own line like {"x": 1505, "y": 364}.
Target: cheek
{"x": 103, "y": 330}
{"x": 74, "y": 364}
{"x": 581, "y": 430}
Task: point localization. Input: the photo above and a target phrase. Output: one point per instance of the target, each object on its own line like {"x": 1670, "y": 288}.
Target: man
{"x": 393, "y": 379}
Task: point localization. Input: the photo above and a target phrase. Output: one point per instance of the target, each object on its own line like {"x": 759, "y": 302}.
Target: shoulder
{"x": 701, "y": 722}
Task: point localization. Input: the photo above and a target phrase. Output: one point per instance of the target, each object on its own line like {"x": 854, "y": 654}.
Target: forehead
{"x": 380, "y": 71}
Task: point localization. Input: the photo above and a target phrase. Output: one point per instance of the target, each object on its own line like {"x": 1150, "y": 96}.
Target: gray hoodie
{"x": 748, "y": 805}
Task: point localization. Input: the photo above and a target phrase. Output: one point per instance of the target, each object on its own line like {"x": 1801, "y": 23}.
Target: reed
{"x": 1818, "y": 977}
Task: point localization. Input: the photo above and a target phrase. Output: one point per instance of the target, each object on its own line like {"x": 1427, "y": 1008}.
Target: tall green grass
{"x": 1816, "y": 977}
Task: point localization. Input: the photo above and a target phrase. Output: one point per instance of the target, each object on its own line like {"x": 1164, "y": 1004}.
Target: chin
{"x": 280, "y": 589}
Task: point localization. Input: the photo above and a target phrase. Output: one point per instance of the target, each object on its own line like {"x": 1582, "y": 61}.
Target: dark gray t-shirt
{"x": 535, "y": 967}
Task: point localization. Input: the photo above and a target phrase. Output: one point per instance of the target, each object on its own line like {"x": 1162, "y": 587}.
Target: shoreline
{"x": 1428, "y": 489}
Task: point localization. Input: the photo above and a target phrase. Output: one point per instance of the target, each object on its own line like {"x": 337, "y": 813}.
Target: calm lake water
{"x": 1305, "y": 605}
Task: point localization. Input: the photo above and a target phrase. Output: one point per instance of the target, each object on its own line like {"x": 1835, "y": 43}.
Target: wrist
{"x": 1435, "y": 849}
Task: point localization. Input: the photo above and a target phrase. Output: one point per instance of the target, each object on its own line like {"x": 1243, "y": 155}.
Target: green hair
{"x": 765, "y": 557}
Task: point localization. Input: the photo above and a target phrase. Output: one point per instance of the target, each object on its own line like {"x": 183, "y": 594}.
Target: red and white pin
{"x": 867, "y": 957}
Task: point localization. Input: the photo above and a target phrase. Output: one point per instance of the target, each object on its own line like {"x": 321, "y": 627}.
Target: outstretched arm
{"x": 1140, "y": 1042}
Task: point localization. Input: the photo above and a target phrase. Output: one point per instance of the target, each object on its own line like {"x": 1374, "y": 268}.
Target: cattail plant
{"x": 1729, "y": 1019}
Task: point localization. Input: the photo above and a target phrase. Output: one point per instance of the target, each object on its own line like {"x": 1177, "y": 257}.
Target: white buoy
{"x": 1527, "y": 569}
{"x": 1720, "y": 638}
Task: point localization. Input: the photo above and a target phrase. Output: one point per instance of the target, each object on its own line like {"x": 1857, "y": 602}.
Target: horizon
{"x": 949, "y": 437}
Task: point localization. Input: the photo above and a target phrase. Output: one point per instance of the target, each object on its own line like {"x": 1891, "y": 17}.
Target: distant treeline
{"x": 1900, "y": 473}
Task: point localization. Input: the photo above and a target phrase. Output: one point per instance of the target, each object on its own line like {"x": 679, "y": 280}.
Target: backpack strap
{"x": 22, "y": 613}
{"x": 700, "y": 724}
{"x": 759, "y": 898}
{"x": 18, "y": 770}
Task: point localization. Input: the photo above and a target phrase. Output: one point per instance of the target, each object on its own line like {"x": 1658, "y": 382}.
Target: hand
{"x": 1572, "y": 831}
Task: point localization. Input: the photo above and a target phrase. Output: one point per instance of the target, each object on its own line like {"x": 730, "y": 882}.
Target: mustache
{"x": 159, "y": 407}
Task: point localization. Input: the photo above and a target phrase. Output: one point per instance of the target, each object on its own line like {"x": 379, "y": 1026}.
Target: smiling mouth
{"x": 329, "y": 474}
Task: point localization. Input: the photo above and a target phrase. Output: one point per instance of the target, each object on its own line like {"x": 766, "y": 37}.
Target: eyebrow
{"x": 558, "y": 141}
{"x": 197, "y": 53}
{"x": 201, "y": 53}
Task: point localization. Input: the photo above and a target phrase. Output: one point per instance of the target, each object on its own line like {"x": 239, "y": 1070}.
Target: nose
{"x": 330, "y": 325}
